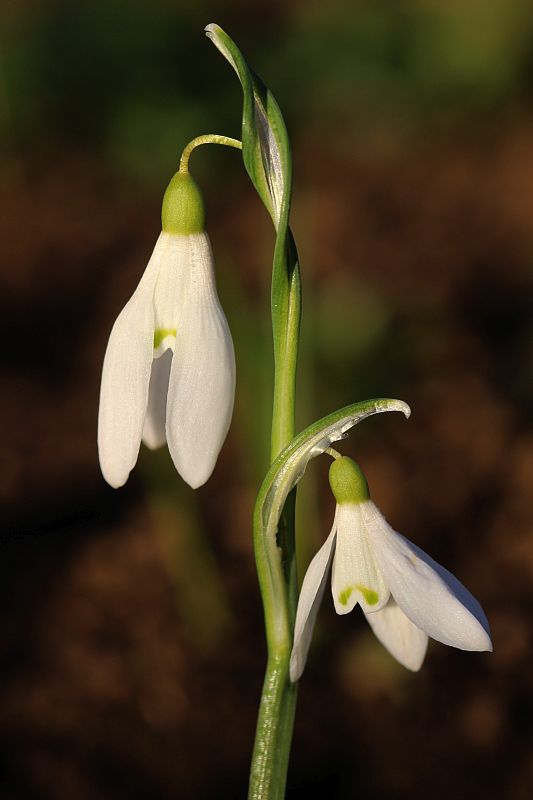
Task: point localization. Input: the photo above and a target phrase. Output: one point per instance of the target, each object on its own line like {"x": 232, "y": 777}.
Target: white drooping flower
{"x": 405, "y": 595}
{"x": 169, "y": 367}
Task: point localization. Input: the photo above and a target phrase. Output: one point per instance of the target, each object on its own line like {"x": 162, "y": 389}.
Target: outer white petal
{"x": 401, "y": 637}
{"x": 356, "y": 574}
{"x": 202, "y": 377}
{"x": 154, "y": 434}
{"x": 171, "y": 281}
{"x": 309, "y": 600}
{"x": 431, "y": 596}
{"x": 126, "y": 375}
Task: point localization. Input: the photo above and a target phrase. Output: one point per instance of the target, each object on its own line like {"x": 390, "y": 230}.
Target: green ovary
{"x": 161, "y": 333}
{"x": 371, "y": 597}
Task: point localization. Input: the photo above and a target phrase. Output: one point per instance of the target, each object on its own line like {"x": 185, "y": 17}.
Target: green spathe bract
{"x": 347, "y": 481}
{"x": 267, "y": 158}
{"x": 183, "y": 206}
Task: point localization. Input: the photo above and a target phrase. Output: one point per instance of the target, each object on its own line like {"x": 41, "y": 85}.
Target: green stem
{"x": 276, "y": 560}
{"x": 277, "y": 577}
{"x": 290, "y": 695}
{"x": 273, "y": 737}
{"x": 207, "y": 138}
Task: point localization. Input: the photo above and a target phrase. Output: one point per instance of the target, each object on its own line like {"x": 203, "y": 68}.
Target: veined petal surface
{"x": 311, "y": 594}
{"x": 400, "y": 636}
{"x": 126, "y": 376}
{"x": 170, "y": 285}
{"x": 202, "y": 376}
{"x": 356, "y": 576}
{"x": 426, "y": 592}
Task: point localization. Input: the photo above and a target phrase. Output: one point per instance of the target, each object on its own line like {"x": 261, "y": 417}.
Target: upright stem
{"x": 267, "y": 159}
{"x": 279, "y": 587}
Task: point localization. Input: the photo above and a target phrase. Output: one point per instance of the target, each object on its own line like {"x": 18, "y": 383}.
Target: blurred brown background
{"x": 131, "y": 630}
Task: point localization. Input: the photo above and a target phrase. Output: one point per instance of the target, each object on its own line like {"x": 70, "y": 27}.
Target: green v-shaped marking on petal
{"x": 370, "y": 595}
{"x": 160, "y": 334}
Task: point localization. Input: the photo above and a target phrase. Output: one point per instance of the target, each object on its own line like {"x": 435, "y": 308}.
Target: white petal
{"x": 126, "y": 375}
{"x": 431, "y": 596}
{"x": 356, "y": 574}
{"x": 401, "y": 637}
{"x": 154, "y": 434}
{"x": 170, "y": 285}
{"x": 309, "y": 600}
{"x": 202, "y": 377}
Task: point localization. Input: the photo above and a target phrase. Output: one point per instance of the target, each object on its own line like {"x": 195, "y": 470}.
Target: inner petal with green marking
{"x": 370, "y": 595}
{"x": 356, "y": 577}
{"x": 163, "y": 339}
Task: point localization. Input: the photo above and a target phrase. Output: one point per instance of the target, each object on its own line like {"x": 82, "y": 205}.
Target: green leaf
{"x": 265, "y": 143}
{"x": 283, "y": 476}
{"x": 268, "y": 161}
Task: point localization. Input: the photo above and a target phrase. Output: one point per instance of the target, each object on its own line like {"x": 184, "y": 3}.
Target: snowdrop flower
{"x": 405, "y": 595}
{"x": 169, "y": 367}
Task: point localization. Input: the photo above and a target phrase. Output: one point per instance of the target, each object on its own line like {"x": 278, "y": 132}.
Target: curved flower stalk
{"x": 405, "y": 595}
{"x": 169, "y": 367}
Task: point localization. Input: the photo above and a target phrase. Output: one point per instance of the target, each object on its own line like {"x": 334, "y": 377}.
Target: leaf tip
{"x": 222, "y": 42}
{"x": 405, "y": 409}
{"x": 211, "y": 30}
{"x": 391, "y": 405}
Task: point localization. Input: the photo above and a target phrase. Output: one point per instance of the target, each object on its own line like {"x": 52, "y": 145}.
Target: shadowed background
{"x": 131, "y": 637}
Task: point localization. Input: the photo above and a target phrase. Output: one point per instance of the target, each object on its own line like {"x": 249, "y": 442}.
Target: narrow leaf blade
{"x": 265, "y": 143}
